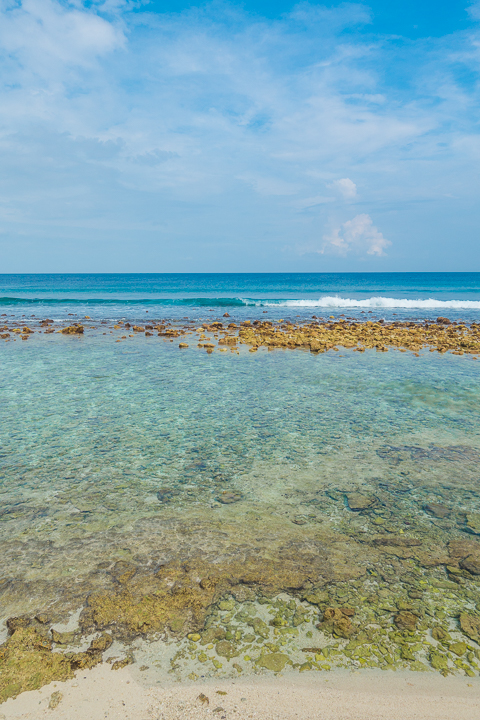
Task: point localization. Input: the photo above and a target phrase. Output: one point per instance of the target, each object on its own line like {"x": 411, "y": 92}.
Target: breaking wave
{"x": 328, "y": 301}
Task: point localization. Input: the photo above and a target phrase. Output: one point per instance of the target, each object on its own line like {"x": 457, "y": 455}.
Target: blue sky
{"x": 261, "y": 136}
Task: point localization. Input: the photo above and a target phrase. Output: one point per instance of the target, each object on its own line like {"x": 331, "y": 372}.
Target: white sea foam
{"x": 330, "y": 301}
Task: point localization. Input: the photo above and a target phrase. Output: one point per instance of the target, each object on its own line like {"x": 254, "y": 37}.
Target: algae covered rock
{"x": 438, "y": 661}
{"x": 440, "y": 634}
{"x": 273, "y": 661}
{"x": 226, "y": 649}
{"x": 133, "y": 615}
{"x": 260, "y": 627}
{"x": 405, "y": 620}
{"x": 459, "y": 648}
{"x": 472, "y": 564}
{"x": 470, "y": 625}
{"x": 65, "y": 638}
{"x": 73, "y": 330}
{"x": 27, "y": 663}
{"x": 472, "y": 521}
{"x": 100, "y": 644}
{"x": 338, "y": 622}
{"x": 212, "y": 635}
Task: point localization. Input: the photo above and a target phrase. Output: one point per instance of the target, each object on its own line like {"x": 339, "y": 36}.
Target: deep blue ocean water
{"x": 113, "y": 296}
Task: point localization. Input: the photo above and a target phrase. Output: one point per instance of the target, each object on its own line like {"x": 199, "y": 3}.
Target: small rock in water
{"x": 437, "y": 510}
{"x": 226, "y": 649}
{"x": 473, "y": 523}
{"x": 165, "y": 494}
{"x": 274, "y": 661}
{"x": 357, "y": 501}
{"x": 228, "y": 497}
{"x": 459, "y": 648}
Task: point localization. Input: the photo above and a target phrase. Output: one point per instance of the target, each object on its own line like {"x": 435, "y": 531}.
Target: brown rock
{"x": 470, "y": 625}
{"x": 344, "y": 628}
{"x": 72, "y": 330}
{"x": 83, "y": 660}
{"x": 119, "y": 664}
{"x": 437, "y": 510}
{"x": 357, "y": 501}
{"x": 472, "y": 564}
{"x": 458, "y": 549}
{"x": 228, "y": 497}
{"x": 99, "y": 644}
{"x": 443, "y": 321}
{"x": 406, "y": 620}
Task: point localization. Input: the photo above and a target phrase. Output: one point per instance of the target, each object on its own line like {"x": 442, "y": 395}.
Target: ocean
{"x": 211, "y": 511}
{"x": 404, "y": 295}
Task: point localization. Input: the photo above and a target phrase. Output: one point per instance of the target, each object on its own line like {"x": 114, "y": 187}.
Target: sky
{"x": 172, "y": 136}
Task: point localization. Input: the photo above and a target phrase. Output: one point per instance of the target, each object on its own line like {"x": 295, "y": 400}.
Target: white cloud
{"x": 346, "y": 188}
{"x": 357, "y": 236}
{"x": 474, "y": 10}
{"x": 156, "y": 116}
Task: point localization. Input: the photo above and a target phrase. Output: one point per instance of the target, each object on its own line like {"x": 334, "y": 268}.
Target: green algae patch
{"x": 27, "y": 663}
{"x": 182, "y": 609}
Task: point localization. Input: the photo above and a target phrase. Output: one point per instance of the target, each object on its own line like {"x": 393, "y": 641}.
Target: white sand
{"x": 101, "y": 694}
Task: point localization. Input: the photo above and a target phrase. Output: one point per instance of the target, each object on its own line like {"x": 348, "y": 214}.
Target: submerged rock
{"x": 473, "y": 523}
{"x": 437, "y": 510}
{"x": 405, "y": 620}
{"x": 472, "y": 564}
{"x": 228, "y": 497}
{"x": 273, "y": 661}
{"x": 470, "y": 626}
{"x": 357, "y": 501}
{"x": 165, "y": 494}
{"x": 226, "y": 649}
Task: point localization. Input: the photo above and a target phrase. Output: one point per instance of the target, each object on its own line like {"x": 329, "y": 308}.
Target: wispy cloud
{"x": 215, "y": 126}
{"x": 346, "y": 188}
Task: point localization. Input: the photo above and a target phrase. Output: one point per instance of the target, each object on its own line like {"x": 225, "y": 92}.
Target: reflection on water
{"x": 274, "y": 472}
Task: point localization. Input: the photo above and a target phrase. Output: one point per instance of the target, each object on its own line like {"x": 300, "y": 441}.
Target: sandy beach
{"x": 100, "y": 693}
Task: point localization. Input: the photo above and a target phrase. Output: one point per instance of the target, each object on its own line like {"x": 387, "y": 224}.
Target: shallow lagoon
{"x": 304, "y": 471}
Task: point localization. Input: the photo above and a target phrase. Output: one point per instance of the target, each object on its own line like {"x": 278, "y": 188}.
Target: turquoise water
{"x": 304, "y": 481}
{"x": 116, "y": 452}
{"x": 287, "y": 295}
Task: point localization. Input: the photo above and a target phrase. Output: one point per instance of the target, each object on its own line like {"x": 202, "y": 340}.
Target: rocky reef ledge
{"x": 261, "y": 617}
{"x": 316, "y": 336}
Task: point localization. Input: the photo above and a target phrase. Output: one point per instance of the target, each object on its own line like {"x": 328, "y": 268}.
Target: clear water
{"x": 92, "y": 430}
{"x": 124, "y": 451}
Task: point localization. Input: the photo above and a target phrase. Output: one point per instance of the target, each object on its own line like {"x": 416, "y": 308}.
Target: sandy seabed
{"x": 365, "y": 695}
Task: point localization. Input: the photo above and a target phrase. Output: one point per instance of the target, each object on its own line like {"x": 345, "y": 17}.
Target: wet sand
{"x": 369, "y": 695}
